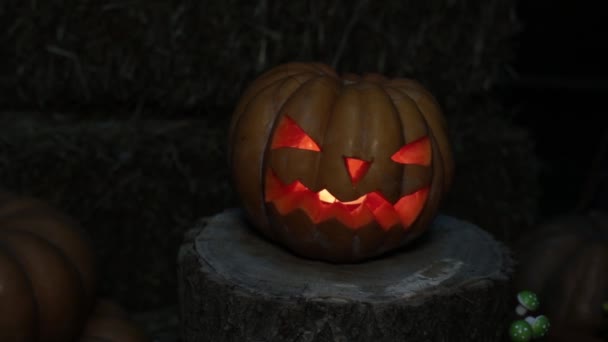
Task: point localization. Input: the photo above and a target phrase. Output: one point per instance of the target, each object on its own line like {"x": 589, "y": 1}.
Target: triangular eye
{"x": 417, "y": 152}
{"x": 290, "y": 134}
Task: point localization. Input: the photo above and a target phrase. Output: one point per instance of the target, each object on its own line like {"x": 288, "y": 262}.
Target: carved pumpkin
{"x": 47, "y": 277}
{"x": 110, "y": 323}
{"x": 338, "y": 168}
{"x": 566, "y": 263}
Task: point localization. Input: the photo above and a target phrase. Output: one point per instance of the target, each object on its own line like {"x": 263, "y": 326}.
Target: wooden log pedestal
{"x": 234, "y": 285}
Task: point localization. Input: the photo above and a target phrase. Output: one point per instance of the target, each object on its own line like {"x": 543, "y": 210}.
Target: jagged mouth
{"x": 323, "y": 205}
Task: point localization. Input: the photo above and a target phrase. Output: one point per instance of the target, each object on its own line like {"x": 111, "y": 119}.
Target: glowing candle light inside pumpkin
{"x": 323, "y": 205}
{"x": 327, "y": 197}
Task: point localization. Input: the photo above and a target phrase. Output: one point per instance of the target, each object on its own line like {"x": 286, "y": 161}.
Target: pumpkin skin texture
{"x": 47, "y": 265}
{"x": 110, "y": 323}
{"x": 565, "y": 262}
{"x": 17, "y": 305}
{"x": 338, "y": 168}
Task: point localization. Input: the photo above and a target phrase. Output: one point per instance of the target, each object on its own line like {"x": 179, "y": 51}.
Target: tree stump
{"x": 234, "y": 285}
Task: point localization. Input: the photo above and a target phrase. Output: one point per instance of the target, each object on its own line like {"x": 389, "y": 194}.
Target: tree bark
{"x": 234, "y": 285}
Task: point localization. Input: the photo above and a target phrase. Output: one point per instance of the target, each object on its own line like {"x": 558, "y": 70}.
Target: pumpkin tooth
{"x": 342, "y": 214}
{"x": 274, "y": 188}
{"x": 289, "y": 202}
{"x": 321, "y": 206}
{"x": 312, "y": 206}
{"x": 382, "y": 210}
{"x": 361, "y": 216}
{"x": 409, "y": 206}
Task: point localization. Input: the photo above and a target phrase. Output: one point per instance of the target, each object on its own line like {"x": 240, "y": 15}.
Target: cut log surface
{"x": 235, "y": 285}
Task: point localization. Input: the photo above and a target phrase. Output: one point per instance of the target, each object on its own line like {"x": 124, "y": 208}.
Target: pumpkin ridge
{"x": 63, "y": 262}
{"x": 330, "y": 124}
{"x": 255, "y": 126}
{"x": 429, "y": 132}
{"x": 324, "y": 135}
{"x": 411, "y": 85}
{"x": 413, "y": 102}
{"x": 567, "y": 293}
{"x": 279, "y": 110}
{"x": 430, "y": 207}
{"x": 268, "y": 141}
{"x": 446, "y": 169}
{"x": 440, "y": 126}
{"x": 60, "y": 231}
{"x": 375, "y": 115}
{"x": 385, "y": 86}
{"x": 248, "y": 97}
{"x": 11, "y": 255}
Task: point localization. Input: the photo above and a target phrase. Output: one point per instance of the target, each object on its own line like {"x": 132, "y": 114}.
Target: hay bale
{"x": 496, "y": 163}
{"x": 132, "y": 184}
{"x": 177, "y": 57}
{"x": 136, "y": 185}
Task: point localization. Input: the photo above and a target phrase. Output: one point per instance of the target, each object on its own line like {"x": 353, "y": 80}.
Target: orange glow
{"x": 290, "y": 134}
{"x": 357, "y": 168}
{"x": 409, "y": 207}
{"x": 323, "y": 205}
{"x": 326, "y": 197}
{"x": 417, "y": 152}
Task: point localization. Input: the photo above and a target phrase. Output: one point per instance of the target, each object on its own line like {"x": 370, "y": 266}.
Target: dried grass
{"x": 175, "y": 58}
{"x": 135, "y": 187}
{"x": 497, "y": 171}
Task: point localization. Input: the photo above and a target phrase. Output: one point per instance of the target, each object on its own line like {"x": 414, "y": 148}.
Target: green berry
{"x": 528, "y": 300}
{"x": 520, "y": 331}
{"x": 540, "y": 325}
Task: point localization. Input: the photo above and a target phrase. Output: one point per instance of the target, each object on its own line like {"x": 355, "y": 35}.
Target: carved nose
{"x": 357, "y": 168}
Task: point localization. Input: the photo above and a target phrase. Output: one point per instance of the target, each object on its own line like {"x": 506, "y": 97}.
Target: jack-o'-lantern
{"x": 338, "y": 168}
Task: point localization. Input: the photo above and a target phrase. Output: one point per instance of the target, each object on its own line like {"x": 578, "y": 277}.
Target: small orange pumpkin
{"x": 110, "y": 323}
{"x": 339, "y": 168}
{"x": 565, "y": 261}
{"x": 47, "y": 274}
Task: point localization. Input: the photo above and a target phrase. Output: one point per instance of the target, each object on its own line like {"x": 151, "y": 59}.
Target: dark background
{"x": 561, "y": 89}
{"x": 122, "y": 108}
